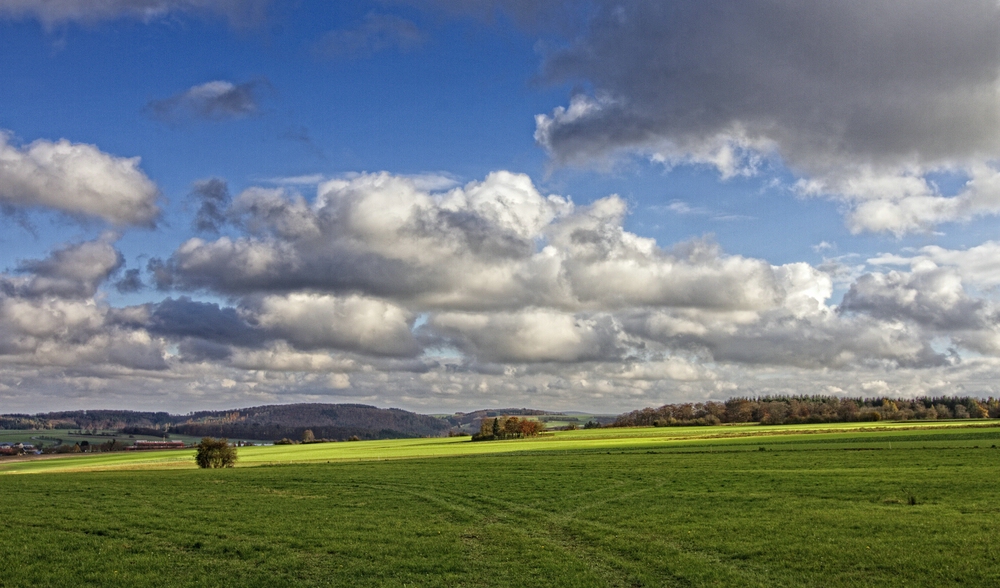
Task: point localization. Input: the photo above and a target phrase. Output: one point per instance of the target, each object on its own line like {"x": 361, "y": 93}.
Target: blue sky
{"x": 449, "y": 205}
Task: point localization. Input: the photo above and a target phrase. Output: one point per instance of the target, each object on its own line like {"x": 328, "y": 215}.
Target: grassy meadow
{"x": 907, "y": 504}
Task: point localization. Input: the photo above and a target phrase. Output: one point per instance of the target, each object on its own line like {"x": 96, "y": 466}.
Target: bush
{"x": 215, "y": 453}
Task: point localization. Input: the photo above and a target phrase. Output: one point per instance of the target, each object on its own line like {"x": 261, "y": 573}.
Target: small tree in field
{"x": 308, "y": 436}
{"x": 215, "y": 453}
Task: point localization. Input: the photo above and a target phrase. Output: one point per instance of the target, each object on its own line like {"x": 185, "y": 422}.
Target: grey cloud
{"x": 74, "y": 334}
{"x": 822, "y": 340}
{"x": 217, "y": 100}
{"x": 213, "y": 198}
{"x": 77, "y": 179}
{"x": 131, "y": 282}
{"x": 207, "y": 321}
{"x": 200, "y": 350}
{"x": 306, "y": 322}
{"x": 74, "y": 271}
{"x": 240, "y": 13}
{"x": 861, "y": 97}
{"x": 933, "y": 297}
{"x": 376, "y": 33}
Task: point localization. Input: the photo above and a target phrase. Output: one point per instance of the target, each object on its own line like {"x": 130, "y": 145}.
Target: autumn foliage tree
{"x": 509, "y": 427}
{"x": 215, "y": 453}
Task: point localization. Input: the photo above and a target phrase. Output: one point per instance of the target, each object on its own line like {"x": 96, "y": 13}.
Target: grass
{"x": 820, "y": 506}
{"x": 699, "y": 439}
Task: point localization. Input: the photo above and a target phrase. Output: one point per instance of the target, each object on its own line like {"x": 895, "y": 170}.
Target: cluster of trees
{"x": 775, "y": 410}
{"x": 507, "y": 427}
{"x": 309, "y": 437}
{"x": 591, "y": 424}
{"x": 460, "y": 419}
{"x": 215, "y": 453}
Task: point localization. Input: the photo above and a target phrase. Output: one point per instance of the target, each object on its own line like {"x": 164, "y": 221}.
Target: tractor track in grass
{"x": 580, "y": 538}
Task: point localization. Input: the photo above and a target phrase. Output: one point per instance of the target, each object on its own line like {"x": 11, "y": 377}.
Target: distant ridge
{"x": 269, "y": 422}
{"x": 326, "y": 421}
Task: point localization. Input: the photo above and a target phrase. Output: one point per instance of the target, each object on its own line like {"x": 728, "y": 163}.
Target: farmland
{"x": 822, "y": 505}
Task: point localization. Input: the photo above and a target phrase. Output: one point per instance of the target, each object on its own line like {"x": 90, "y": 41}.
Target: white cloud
{"x": 353, "y": 323}
{"x": 976, "y": 265}
{"x": 536, "y": 302}
{"x": 76, "y": 179}
{"x": 532, "y": 336}
{"x": 492, "y": 245}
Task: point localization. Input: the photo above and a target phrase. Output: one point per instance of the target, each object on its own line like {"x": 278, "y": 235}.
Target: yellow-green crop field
{"x": 897, "y": 504}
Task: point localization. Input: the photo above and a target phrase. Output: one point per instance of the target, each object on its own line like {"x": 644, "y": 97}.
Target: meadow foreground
{"x": 708, "y": 506}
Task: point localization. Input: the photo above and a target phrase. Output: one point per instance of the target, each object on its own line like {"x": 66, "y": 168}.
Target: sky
{"x": 446, "y": 205}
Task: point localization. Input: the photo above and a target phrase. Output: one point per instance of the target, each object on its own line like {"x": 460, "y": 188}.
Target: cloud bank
{"x": 861, "y": 99}
{"x": 375, "y": 289}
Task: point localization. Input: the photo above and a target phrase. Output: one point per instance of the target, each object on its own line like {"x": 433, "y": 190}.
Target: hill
{"x": 329, "y": 421}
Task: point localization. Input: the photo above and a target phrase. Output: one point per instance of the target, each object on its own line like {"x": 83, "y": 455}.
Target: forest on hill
{"x": 778, "y": 410}
{"x": 327, "y": 421}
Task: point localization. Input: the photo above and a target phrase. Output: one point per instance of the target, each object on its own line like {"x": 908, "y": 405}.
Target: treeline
{"x": 776, "y": 410}
{"x": 108, "y": 419}
{"x": 507, "y": 427}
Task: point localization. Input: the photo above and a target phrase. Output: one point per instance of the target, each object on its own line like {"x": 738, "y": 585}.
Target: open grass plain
{"x": 860, "y": 504}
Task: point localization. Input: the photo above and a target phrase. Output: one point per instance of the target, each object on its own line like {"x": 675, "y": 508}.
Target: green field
{"x": 819, "y": 505}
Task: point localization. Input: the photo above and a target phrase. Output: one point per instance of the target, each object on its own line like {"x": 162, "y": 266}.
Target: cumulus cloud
{"x": 217, "y": 100}
{"x": 497, "y": 244}
{"x": 49, "y": 316}
{"x": 380, "y": 289}
{"x": 352, "y": 323}
{"x": 533, "y": 336}
{"x": 508, "y": 276}
{"x": 862, "y": 99}
{"x": 976, "y": 265}
{"x": 74, "y": 271}
{"x": 76, "y": 179}
{"x": 928, "y": 295}
{"x": 376, "y": 33}
{"x": 54, "y": 12}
